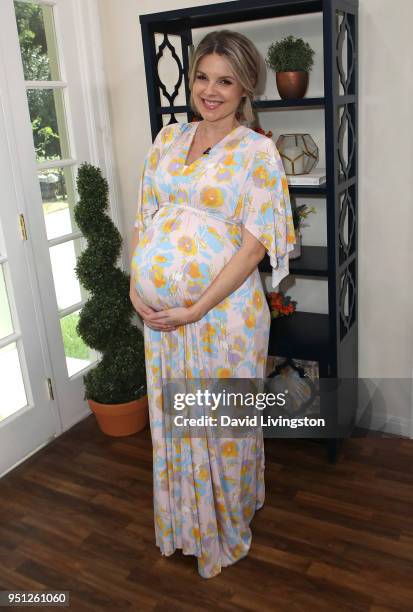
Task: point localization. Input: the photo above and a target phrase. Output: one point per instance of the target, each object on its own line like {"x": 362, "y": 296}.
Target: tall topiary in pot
{"x": 116, "y": 387}
{"x": 291, "y": 59}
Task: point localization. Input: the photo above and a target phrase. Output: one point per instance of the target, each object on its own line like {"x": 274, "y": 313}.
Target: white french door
{"x": 45, "y": 133}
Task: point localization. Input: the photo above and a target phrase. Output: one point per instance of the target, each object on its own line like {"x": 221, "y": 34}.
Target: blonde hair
{"x": 243, "y": 57}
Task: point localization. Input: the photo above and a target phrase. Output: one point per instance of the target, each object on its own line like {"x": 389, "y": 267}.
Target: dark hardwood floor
{"x": 78, "y": 516}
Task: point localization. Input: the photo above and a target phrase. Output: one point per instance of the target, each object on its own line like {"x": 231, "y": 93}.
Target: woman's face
{"x": 216, "y": 91}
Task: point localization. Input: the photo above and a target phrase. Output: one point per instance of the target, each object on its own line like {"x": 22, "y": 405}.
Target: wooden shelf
{"x": 292, "y": 103}
{"x": 259, "y": 104}
{"x": 308, "y": 190}
{"x": 331, "y": 339}
{"x": 209, "y": 15}
{"x": 312, "y": 262}
{"x": 302, "y": 335}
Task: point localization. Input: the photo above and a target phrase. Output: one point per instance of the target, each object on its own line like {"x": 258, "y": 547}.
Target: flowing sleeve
{"x": 148, "y": 199}
{"x": 267, "y": 208}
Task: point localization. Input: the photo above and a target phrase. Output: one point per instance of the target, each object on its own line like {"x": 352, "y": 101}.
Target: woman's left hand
{"x": 180, "y": 315}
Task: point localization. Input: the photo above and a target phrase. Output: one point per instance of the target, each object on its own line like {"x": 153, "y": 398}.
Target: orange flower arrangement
{"x": 259, "y": 129}
{"x": 280, "y": 305}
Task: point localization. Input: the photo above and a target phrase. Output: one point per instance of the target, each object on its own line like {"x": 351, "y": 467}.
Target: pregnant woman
{"x": 213, "y": 199}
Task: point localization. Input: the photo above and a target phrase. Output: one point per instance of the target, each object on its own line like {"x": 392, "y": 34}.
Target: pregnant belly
{"x": 179, "y": 256}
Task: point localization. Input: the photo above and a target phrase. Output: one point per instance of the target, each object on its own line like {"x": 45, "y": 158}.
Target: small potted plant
{"x": 291, "y": 59}
{"x": 116, "y": 387}
{"x": 299, "y": 214}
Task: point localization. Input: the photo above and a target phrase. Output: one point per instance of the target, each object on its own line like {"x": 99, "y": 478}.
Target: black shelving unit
{"x": 330, "y": 339}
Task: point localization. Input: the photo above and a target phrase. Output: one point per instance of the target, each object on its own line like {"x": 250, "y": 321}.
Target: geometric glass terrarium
{"x": 299, "y": 153}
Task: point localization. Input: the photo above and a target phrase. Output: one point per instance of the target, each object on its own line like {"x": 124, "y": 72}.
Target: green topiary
{"x": 105, "y": 320}
{"x": 289, "y": 54}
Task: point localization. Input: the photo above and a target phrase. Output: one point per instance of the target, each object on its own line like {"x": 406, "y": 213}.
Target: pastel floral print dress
{"x": 189, "y": 221}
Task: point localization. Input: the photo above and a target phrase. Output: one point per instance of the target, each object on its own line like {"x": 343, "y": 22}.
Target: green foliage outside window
{"x": 36, "y": 67}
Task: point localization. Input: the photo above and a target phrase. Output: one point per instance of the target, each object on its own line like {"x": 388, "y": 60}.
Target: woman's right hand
{"x": 144, "y": 310}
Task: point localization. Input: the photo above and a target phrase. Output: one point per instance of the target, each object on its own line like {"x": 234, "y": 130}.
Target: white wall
{"x": 385, "y": 156}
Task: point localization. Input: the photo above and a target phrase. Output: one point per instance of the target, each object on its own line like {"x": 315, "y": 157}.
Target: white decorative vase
{"x": 296, "y": 252}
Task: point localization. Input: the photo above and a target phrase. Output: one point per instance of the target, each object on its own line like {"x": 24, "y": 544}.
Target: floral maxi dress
{"x": 189, "y": 221}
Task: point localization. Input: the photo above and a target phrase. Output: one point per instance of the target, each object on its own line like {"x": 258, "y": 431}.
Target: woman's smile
{"x": 211, "y": 104}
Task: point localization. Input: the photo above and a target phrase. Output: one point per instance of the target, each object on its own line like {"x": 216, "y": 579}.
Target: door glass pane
{"x": 78, "y": 355}
{"x": 6, "y": 324}
{"x": 37, "y": 41}
{"x": 58, "y": 197}
{"x": 47, "y": 114}
{"x": 63, "y": 257}
{"x": 13, "y": 395}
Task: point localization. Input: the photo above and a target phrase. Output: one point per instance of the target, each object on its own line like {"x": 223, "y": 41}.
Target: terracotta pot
{"x": 121, "y": 419}
{"x": 292, "y": 84}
